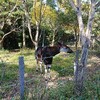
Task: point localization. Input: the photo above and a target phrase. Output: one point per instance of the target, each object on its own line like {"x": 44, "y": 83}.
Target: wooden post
{"x": 21, "y": 77}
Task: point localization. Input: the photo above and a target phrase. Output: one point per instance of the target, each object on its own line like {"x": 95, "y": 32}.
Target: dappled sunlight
{"x": 30, "y": 63}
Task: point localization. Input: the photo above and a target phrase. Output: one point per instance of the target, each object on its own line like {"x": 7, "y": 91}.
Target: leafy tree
{"x": 8, "y": 18}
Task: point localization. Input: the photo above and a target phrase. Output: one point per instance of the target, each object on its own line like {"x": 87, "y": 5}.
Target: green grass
{"x": 10, "y": 61}
{"x": 63, "y": 64}
{"x": 66, "y": 91}
{"x": 62, "y": 67}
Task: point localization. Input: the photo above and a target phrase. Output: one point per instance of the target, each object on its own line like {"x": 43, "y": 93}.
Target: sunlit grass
{"x": 62, "y": 68}
{"x": 9, "y": 63}
{"x": 63, "y": 64}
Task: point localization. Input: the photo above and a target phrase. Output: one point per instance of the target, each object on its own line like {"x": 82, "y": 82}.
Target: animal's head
{"x": 64, "y": 48}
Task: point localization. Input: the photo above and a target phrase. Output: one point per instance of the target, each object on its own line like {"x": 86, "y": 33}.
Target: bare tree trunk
{"x": 5, "y": 35}
{"x": 24, "y": 43}
{"x": 79, "y": 67}
{"x": 38, "y": 23}
{"x": 53, "y": 39}
{"x": 28, "y": 20}
{"x": 79, "y": 41}
{"x": 37, "y": 35}
{"x": 76, "y": 38}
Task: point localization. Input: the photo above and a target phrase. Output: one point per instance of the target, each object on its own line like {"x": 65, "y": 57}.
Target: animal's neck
{"x": 55, "y": 50}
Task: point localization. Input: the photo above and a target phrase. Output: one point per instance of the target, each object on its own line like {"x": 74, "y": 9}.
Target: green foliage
{"x": 51, "y": 3}
{"x": 49, "y": 14}
{"x": 57, "y": 22}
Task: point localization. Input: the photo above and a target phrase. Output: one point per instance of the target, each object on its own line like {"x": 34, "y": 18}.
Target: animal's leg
{"x": 40, "y": 64}
{"x": 45, "y": 68}
{"x": 48, "y": 69}
{"x": 37, "y": 65}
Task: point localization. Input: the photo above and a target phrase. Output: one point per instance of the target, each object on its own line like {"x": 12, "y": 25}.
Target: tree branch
{"x": 8, "y": 34}
{"x": 79, "y": 17}
{"x": 28, "y": 20}
{"x": 34, "y": 6}
{"x": 12, "y": 9}
{"x": 90, "y": 19}
{"x": 73, "y": 5}
{"x": 97, "y": 4}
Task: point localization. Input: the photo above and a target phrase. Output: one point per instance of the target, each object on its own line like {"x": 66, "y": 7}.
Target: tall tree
{"x": 8, "y": 18}
{"x": 37, "y": 15}
{"x": 85, "y": 41}
{"x": 27, "y": 16}
{"x": 23, "y": 21}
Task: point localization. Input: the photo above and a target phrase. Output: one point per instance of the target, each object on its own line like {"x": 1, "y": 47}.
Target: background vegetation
{"x": 26, "y": 24}
{"x": 56, "y": 21}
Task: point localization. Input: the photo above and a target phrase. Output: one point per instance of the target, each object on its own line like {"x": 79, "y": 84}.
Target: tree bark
{"x": 53, "y": 38}
{"x": 38, "y": 23}
{"x": 24, "y": 43}
{"x": 28, "y": 21}
{"x": 37, "y": 35}
{"x": 76, "y": 38}
{"x": 4, "y": 36}
{"x": 79, "y": 67}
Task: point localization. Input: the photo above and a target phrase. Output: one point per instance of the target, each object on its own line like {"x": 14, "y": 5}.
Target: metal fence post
{"x": 21, "y": 77}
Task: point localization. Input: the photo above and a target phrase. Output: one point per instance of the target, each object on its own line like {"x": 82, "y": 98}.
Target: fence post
{"x": 21, "y": 77}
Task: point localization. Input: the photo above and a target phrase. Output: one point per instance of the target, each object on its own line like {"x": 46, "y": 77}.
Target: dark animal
{"x": 45, "y": 55}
